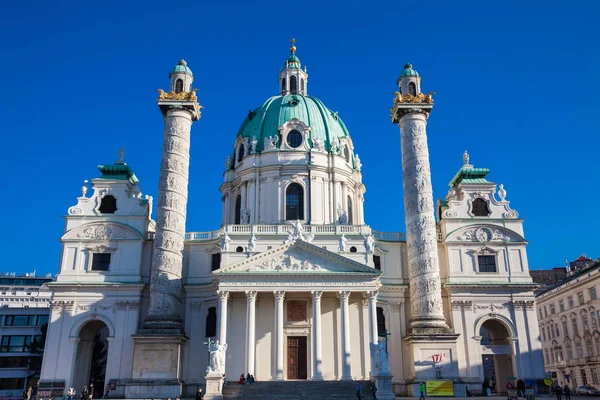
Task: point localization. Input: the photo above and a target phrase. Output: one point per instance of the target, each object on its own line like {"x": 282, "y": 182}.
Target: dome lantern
{"x": 409, "y": 81}
{"x": 293, "y": 80}
{"x": 181, "y": 77}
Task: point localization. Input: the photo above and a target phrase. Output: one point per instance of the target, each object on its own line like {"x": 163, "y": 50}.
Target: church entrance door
{"x": 297, "y": 357}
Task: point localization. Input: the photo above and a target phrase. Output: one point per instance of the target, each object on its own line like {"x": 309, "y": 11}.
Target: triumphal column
{"x": 158, "y": 345}
{"x": 428, "y": 334}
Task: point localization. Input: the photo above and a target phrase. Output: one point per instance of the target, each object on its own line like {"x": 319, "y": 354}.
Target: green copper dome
{"x": 265, "y": 120}
{"x": 408, "y": 71}
{"x": 181, "y": 67}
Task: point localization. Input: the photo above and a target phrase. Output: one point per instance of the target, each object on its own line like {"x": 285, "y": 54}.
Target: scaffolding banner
{"x": 439, "y": 388}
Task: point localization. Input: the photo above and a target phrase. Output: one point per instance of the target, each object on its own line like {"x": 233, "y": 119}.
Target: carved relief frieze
{"x": 462, "y": 305}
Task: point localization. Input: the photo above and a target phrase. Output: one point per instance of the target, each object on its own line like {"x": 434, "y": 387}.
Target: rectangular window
{"x": 580, "y": 298}
{"x": 42, "y": 320}
{"x": 487, "y": 263}
{"x": 579, "y": 350}
{"x": 101, "y": 261}
{"x": 561, "y": 305}
{"x": 13, "y": 362}
{"x": 543, "y": 334}
{"x": 377, "y": 262}
{"x": 552, "y": 309}
{"x": 541, "y": 316}
{"x": 545, "y": 312}
{"x": 594, "y": 376}
{"x": 593, "y": 293}
{"x": 569, "y": 352}
{"x": 570, "y": 300}
{"x": 584, "y": 320}
{"x": 14, "y": 344}
{"x": 565, "y": 328}
{"x": 556, "y": 329}
{"x": 574, "y": 323}
{"x": 594, "y": 321}
{"x": 12, "y": 383}
{"x": 216, "y": 261}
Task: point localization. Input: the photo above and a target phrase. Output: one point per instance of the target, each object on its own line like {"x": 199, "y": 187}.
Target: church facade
{"x": 295, "y": 283}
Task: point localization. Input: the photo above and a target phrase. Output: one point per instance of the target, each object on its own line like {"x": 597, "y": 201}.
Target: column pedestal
{"x": 421, "y": 346}
{"x": 157, "y": 366}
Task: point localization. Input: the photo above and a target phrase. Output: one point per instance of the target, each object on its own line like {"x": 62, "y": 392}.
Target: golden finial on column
{"x": 293, "y": 47}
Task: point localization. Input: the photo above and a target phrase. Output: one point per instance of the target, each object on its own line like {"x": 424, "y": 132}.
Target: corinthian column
{"x": 167, "y": 260}
{"x": 278, "y": 339}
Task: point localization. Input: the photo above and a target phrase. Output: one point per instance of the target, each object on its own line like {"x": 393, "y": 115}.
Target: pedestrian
{"x": 242, "y": 379}
{"x": 567, "y": 392}
{"x": 224, "y": 380}
{"x": 422, "y": 390}
{"x": 520, "y": 388}
{"x": 71, "y": 393}
{"x": 374, "y": 389}
{"x": 358, "y": 390}
{"x": 199, "y": 395}
{"x": 558, "y": 392}
{"x": 84, "y": 393}
{"x": 106, "y": 391}
{"x": 34, "y": 392}
{"x": 29, "y": 392}
{"x": 91, "y": 392}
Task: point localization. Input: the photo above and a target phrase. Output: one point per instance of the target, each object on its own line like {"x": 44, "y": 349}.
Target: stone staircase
{"x": 296, "y": 390}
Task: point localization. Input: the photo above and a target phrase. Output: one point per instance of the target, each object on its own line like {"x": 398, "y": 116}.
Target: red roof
{"x": 583, "y": 258}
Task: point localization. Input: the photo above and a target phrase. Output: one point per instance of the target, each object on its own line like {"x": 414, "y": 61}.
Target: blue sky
{"x": 516, "y": 85}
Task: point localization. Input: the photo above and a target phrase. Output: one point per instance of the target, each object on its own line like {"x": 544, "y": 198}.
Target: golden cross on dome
{"x": 293, "y": 47}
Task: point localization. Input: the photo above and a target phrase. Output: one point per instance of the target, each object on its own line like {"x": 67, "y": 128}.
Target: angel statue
{"x": 217, "y": 357}
{"x": 270, "y": 142}
{"x": 382, "y": 364}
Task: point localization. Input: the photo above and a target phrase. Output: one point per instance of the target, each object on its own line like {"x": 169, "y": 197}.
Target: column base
{"x": 157, "y": 365}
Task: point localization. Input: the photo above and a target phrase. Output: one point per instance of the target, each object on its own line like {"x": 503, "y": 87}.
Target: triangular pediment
{"x": 298, "y": 257}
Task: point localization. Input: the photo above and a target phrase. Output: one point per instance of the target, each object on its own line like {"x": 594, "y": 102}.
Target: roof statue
{"x": 466, "y": 158}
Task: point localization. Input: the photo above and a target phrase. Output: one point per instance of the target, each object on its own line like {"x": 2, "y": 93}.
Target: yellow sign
{"x": 439, "y": 388}
{"x": 548, "y": 382}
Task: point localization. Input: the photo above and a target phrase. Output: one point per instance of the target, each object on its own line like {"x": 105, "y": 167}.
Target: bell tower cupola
{"x": 409, "y": 81}
{"x": 181, "y": 77}
{"x": 293, "y": 80}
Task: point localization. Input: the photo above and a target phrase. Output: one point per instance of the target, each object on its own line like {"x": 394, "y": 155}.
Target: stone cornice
{"x": 96, "y": 285}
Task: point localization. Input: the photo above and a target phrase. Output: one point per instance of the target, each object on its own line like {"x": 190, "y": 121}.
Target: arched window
{"x": 347, "y": 154}
{"x": 108, "y": 205}
{"x": 178, "y": 86}
{"x": 412, "y": 88}
{"x": 238, "y": 210}
{"x": 350, "y": 211}
{"x": 380, "y": 322}
{"x": 211, "y": 322}
{"x": 480, "y": 208}
{"x": 302, "y": 85}
{"x": 294, "y": 202}
{"x": 293, "y": 84}
{"x": 283, "y": 82}
{"x": 241, "y": 151}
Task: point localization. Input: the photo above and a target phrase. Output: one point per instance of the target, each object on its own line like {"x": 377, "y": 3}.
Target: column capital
{"x": 279, "y": 295}
{"x": 223, "y": 295}
{"x": 251, "y": 295}
{"x": 371, "y": 294}
{"x": 316, "y": 295}
{"x": 344, "y": 294}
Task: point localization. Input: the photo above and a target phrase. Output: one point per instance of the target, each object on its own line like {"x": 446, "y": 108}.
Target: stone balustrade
{"x": 317, "y": 230}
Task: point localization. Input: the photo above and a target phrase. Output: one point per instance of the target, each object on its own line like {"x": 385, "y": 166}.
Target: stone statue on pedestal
{"x": 217, "y": 357}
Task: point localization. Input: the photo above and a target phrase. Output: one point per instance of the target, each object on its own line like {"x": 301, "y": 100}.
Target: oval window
{"x": 294, "y": 139}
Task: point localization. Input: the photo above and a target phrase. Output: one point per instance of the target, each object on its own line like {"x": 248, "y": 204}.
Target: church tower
{"x": 158, "y": 346}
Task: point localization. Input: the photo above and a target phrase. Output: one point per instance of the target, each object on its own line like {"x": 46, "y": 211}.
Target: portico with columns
{"x": 272, "y": 299}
